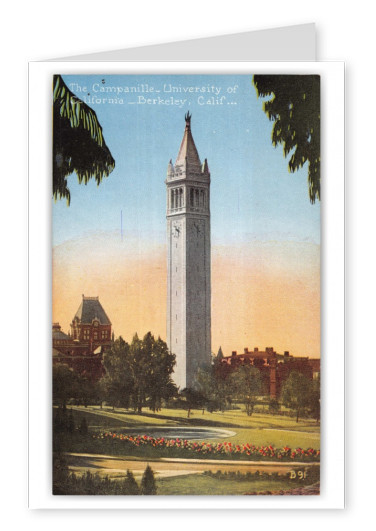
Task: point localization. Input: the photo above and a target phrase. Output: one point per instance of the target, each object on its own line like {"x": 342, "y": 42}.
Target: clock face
{"x": 198, "y": 228}
{"x": 176, "y": 230}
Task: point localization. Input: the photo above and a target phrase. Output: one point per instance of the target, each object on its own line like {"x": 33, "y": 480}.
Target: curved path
{"x": 116, "y": 467}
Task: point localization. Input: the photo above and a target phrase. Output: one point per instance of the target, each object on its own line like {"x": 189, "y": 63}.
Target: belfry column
{"x": 189, "y": 261}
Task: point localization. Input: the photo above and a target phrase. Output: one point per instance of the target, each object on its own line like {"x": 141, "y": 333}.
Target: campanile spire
{"x": 188, "y": 154}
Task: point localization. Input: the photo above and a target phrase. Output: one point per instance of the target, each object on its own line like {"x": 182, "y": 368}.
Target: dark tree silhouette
{"x": 78, "y": 143}
{"x": 298, "y": 393}
{"x": 246, "y": 385}
{"x": 295, "y": 110}
{"x": 131, "y": 484}
{"x": 148, "y": 486}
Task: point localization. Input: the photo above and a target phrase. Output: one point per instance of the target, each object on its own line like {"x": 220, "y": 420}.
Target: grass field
{"x": 259, "y": 429}
{"x": 111, "y": 457}
{"x": 208, "y": 486}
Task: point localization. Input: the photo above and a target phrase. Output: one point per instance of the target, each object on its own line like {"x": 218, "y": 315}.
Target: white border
{"x": 332, "y": 142}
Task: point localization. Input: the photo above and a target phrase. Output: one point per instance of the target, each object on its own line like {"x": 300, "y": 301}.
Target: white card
{"x": 299, "y": 45}
{"x": 291, "y": 43}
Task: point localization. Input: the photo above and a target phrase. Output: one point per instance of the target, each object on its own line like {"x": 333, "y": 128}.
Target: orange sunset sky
{"x": 265, "y": 234}
{"x": 264, "y": 293}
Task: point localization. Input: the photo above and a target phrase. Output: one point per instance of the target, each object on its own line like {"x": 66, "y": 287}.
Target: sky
{"x": 265, "y": 234}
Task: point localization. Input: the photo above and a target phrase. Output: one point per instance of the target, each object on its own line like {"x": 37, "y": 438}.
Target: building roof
{"x": 90, "y": 309}
{"x": 188, "y": 151}
{"x": 57, "y": 333}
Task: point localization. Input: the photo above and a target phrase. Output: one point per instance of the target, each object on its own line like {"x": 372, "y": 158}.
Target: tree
{"x": 314, "y": 404}
{"x": 297, "y": 393}
{"x": 295, "y": 110}
{"x": 162, "y": 363}
{"x": 246, "y": 384}
{"x": 78, "y": 143}
{"x": 213, "y": 385}
{"x": 138, "y": 373}
{"x": 117, "y": 385}
{"x": 140, "y": 353}
{"x": 148, "y": 485}
{"x": 65, "y": 384}
{"x": 88, "y": 391}
{"x": 193, "y": 399}
{"x": 131, "y": 486}
{"x": 273, "y": 406}
{"x": 152, "y": 365}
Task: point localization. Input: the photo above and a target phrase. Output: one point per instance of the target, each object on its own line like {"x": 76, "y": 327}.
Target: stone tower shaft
{"x": 189, "y": 261}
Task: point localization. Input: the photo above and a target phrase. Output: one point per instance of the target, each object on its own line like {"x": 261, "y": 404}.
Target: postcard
{"x": 186, "y": 284}
{"x": 186, "y": 334}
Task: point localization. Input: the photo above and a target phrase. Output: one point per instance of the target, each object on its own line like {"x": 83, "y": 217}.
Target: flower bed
{"x": 162, "y": 447}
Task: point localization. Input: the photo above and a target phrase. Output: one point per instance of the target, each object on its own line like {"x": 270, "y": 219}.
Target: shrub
{"x": 148, "y": 486}
{"x": 131, "y": 484}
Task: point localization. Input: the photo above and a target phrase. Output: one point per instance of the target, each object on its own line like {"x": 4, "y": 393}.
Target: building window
{"x": 95, "y": 335}
{"x": 86, "y": 334}
{"x": 104, "y": 334}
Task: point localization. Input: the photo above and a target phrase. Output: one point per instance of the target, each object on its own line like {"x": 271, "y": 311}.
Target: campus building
{"x": 274, "y": 368}
{"x": 90, "y": 334}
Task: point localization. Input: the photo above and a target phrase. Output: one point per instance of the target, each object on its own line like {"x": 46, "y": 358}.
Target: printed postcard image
{"x": 186, "y": 284}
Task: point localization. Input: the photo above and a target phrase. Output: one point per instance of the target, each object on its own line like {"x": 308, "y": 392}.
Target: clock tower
{"x": 188, "y": 278}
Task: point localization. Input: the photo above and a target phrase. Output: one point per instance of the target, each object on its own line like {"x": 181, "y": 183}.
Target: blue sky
{"x": 253, "y": 196}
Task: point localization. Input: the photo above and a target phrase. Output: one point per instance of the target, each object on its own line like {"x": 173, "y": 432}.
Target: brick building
{"x": 274, "y": 368}
{"x": 90, "y": 334}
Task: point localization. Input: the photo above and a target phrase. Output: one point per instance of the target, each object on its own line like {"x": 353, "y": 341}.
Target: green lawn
{"x": 208, "y": 486}
{"x": 259, "y": 429}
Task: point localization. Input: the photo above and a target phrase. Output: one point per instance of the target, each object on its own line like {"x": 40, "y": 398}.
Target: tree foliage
{"x": 214, "y": 385}
{"x": 300, "y": 393}
{"x": 315, "y": 405}
{"x": 295, "y": 110}
{"x": 131, "y": 483}
{"x": 193, "y": 399}
{"x": 78, "y": 142}
{"x": 148, "y": 485}
{"x": 117, "y": 384}
{"x": 246, "y": 385}
{"x": 138, "y": 374}
{"x": 65, "y": 384}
